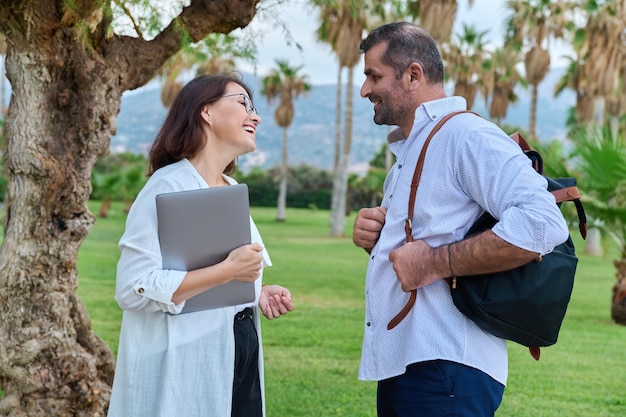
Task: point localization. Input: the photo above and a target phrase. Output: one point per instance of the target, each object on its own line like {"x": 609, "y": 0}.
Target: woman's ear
{"x": 206, "y": 115}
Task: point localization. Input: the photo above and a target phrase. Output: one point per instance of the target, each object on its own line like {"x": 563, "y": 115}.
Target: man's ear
{"x": 415, "y": 75}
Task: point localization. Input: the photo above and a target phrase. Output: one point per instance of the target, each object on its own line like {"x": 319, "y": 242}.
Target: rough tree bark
{"x": 66, "y": 95}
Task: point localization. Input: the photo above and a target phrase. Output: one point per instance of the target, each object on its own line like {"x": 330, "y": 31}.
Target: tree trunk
{"x": 532, "y": 128}
{"x": 103, "y": 213}
{"x": 51, "y": 362}
{"x": 337, "y": 154}
{"x": 282, "y": 190}
{"x": 614, "y": 124}
{"x": 340, "y": 182}
{"x": 337, "y": 123}
{"x": 593, "y": 243}
{"x": 67, "y": 81}
{"x": 618, "y": 305}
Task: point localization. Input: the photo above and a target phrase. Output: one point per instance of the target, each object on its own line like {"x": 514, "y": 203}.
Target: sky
{"x": 317, "y": 60}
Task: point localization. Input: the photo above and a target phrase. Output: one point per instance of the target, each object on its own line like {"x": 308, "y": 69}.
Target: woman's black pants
{"x": 246, "y": 384}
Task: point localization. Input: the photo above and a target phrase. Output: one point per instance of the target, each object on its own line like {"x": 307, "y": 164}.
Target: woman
{"x": 206, "y": 363}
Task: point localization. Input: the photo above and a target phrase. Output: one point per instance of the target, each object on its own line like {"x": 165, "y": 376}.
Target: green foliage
{"x": 600, "y": 158}
{"x": 262, "y": 188}
{"x": 219, "y": 44}
{"x": 557, "y": 165}
{"x": 121, "y": 176}
{"x": 379, "y": 160}
{"x": 555, "y": 161}
{"x": 3, "y": 187}
{"x": 118, "y": 176}
{"x": 307, "y": 187}
{"x": 366, "y": 191}
{"x": 144, "y": 18}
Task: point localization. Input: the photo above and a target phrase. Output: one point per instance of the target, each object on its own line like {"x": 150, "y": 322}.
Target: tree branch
{"x": 137, "y": 60}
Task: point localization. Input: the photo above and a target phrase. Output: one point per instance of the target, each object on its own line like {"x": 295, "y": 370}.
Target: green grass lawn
{"x": 312, "y": 354}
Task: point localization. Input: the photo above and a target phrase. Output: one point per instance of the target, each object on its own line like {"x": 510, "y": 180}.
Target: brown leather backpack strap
{"x": 572, "y": 194}
{"x": 566, "y": 194}
{"x": 519, "y": 139}
{"x": 535, "y": 352}
{"x": 408, "y": 226}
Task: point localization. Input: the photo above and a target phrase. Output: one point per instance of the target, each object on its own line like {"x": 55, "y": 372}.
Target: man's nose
{"x": 365, "y": 90}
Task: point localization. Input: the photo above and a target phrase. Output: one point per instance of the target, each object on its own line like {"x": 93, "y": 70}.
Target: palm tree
{"x": 600, "y": 157}
{"x": 286, "y": 84}
{"x": 342, "y": 25}
{"x": 606, "y": 29}
{"x": 170, "y": 72}
{"x": 603, "y": 51}
{"x": 583, "y": 115}
{"x": 574, "y": 80}
{"x": 595, "y": 76}
{"x": 464, "y": 60}
{"x": 499, "y": 81}
{"x": 330, "y": 26}
{"x": 615, "y": 103}
{"x": 435, "y": 16}
{"x": 531, "y": 26}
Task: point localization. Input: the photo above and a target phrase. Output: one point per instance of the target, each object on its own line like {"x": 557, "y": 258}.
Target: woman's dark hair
{"x": 407, "y": 43}
{"x": 181, "y": 135}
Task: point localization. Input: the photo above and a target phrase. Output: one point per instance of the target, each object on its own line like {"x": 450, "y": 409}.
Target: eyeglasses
{"x": 246, "y": 101}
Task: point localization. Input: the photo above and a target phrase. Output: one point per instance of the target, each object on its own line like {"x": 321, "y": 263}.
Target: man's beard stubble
{"x": 392, "y": 112}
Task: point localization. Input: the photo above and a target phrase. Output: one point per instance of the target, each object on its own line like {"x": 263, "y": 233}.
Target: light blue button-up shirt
{"x": 471, "y": 166}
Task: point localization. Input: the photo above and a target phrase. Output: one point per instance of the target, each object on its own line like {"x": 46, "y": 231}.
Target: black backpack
{"x": 526, "y": 304}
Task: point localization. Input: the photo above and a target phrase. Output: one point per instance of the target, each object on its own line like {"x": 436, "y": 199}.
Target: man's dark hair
{"x": 407, "y": 43}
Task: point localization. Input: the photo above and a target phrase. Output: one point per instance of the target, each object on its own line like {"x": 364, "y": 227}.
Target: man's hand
{"x": 416, "y": 264}
{"x": 367, "y": 226}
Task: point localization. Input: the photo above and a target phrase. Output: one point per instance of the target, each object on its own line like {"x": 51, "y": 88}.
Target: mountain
{"x": 311, "y": 135}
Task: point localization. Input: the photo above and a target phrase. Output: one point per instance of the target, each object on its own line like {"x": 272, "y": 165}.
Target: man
{"x": 437, "y": 362}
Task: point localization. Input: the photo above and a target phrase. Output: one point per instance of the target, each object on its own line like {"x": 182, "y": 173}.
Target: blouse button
{"x": 140, "y": 290}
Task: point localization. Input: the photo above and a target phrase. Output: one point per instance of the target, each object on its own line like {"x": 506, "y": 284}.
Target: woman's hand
{"x": 275, "y": 301}
{"x": 241, "y": 264}
{"x": 246, "y": 262}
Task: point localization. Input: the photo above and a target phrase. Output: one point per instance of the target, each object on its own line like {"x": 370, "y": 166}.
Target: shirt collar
{"x": 429, "y": 111}
{"x": 432, "y": 111}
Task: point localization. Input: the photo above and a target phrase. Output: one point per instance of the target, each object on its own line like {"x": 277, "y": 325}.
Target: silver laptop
{"x": 199, "y": 228}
